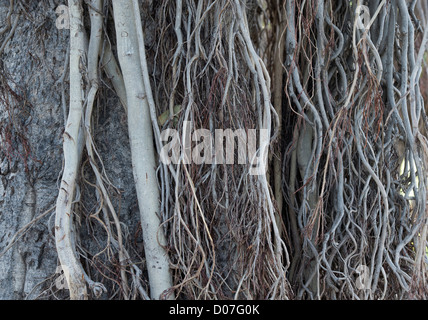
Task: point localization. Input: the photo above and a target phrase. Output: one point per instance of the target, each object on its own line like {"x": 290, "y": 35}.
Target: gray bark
{"x": 34, "y": 60}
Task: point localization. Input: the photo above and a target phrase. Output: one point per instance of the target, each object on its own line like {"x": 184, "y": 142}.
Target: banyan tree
{"x": 213, "y": 149}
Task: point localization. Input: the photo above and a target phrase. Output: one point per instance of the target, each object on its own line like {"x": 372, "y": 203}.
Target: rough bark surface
{"x": 34, "y": 61}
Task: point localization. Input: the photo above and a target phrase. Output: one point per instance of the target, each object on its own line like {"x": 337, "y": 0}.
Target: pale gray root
{"x": 70, "y": 264}
{"x": 142, "y": 149}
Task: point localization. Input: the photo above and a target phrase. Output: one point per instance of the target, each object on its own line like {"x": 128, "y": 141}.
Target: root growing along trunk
{"x": 65, "y": 244}
{"x": 142, "y": 146}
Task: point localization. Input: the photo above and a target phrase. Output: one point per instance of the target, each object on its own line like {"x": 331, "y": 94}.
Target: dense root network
{"x": 341, "y": 211}
{"x": 225, "y": 236}
{"x": 358, "y": 152}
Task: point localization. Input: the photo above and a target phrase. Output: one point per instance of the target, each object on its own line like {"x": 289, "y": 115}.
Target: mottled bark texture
{"x": 32, "y": 126}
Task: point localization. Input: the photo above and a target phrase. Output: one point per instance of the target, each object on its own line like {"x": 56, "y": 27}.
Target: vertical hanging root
{"x": 142, "y": 148}
{"x": 72, "y": 151}
{"x": 78, "y": 134}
